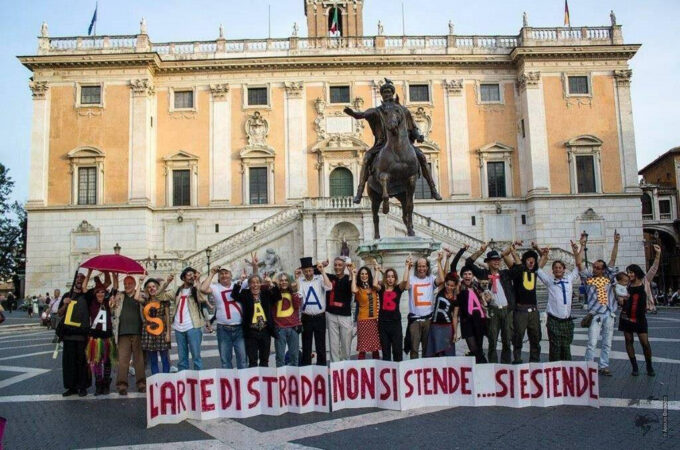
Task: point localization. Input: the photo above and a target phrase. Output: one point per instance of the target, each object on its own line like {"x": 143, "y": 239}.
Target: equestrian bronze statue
{"x": 392, "y": 166}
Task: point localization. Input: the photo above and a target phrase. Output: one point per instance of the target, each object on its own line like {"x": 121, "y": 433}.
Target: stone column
{"x": 536, "y": 141}
{"x": 626, "y": 131}
{"x": 296, "y": 139}
{"x": 220, "y": 145}
{"x": 40, "y": 144}
{"x": 141, "y": 182}
{"x": 458, "y": 141}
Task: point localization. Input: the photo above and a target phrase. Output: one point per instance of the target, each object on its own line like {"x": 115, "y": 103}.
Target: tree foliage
{"x": 12, "y": 232}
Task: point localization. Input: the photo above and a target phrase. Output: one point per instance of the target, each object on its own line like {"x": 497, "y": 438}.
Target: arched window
{"x": 647, "y": 212}
{"x": 335, "y": 22}
{"x": 341, "y": 183}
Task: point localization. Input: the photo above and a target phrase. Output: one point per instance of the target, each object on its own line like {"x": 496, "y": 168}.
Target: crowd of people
{"x": 104, "y": 327}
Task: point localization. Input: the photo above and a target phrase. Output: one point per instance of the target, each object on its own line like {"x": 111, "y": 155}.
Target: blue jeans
{"x": 189, "y": 341}
{"x": 153, "y": 361}
{"x": 287, "y": 337}
{"x": 229, "y": 338}
{"x": 602, "y": 325}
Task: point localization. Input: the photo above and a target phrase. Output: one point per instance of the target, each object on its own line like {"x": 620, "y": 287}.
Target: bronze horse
{"x": 395, "y": 170}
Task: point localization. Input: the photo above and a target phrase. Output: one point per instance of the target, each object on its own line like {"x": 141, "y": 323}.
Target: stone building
{"x": 660, "y": 186}
{"x": 201, "y": 152}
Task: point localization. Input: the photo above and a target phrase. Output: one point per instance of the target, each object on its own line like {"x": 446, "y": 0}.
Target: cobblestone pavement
{"x": 631, "y": 413}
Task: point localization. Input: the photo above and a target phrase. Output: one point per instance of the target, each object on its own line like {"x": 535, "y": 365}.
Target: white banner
{"x": 453, "y": 381}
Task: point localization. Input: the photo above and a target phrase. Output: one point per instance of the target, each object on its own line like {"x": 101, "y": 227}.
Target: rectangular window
{"x": 665, "y": 209}
{"x": 87, "y": 185}
{"x": 585, "y": 174}
{"x": 422, "y": 188}
{"x": 258, "y": 185}
{"x": 495, "y": 171}
{"x": 419, "y": 93}
{"x": 490, "y": 93}
{"x": 578, "y": 85}
{"x": 90, "y": 95}
{"x": 181, "y": 188}
{"x": 339, "y": 94}
{"x": 184, "y": 99}
{"x": 257, "y": 96}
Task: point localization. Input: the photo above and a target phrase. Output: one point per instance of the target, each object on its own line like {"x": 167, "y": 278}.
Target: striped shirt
{"x": 594, "y": 305}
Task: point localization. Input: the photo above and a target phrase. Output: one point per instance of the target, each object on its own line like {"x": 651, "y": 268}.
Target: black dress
{"x": 471, "y": 314}
{"x": 633, "y": 317}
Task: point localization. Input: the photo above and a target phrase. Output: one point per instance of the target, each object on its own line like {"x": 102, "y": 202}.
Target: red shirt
{"x": 286, "y": 311}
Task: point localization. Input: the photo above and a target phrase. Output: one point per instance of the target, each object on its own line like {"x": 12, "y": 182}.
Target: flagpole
{"x": 96, "y": 10}
{"x": 403, "y": 22}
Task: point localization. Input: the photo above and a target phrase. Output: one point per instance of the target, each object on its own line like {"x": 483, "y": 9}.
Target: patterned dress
{"x": 368, "y": 338}
{"x": 150, "y": 341}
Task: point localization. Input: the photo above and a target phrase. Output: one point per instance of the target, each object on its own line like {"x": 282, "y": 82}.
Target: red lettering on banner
{"x": 367, "y": 382}
{"x": 440, "y": 380}
{"x": 592, "y": 375}
{"x": 352, "y": 383}
{"x": 293, "y": 391}
{"x": 537, "y": 383}
{"x": 282, "y": 391}
{"x": 386, "y": 391}
{"x": 568, "y": 381}
{"x": 168, "y": 396}
{"x": 305, "y": 390}
{"x": 192, "y": 382}
{"x": 581, "y": 380}
{"x": 395, "y": 385}
{"x": 338, "y": 385}
{"x": 547, "y": 381}
{"x": 454, "y": 380}
{"x": 181, "y": 390}
{"x": 556, "y": 381}
{"x": 152, "y": 400}
{"x": 499, "y": 380}
{"x": 254, "y": 392}
{"x": 206, "y": 405}
{"x": 426, "y": 380}
{"x": 270, "y": 390}
{"x": 226, "y": 393}
{"x": 320, "y": 394}
{"x": 409, "y": 386}
{"x": 523, "y": 383}
{"x": 465, "y": 373}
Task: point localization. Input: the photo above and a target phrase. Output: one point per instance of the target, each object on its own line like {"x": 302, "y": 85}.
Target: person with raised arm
{"x": 560, "y": 285}
{"x": 187, "y": 320}
{"x": 286, "y": 312}
{"x": 365, "y": 291}
{"x": 156, "y": 338}
{"x": 471, "y": 315}
{"x": 442, "y": 336}
{"x": 339, "y": 311}
{"x": 389, "y": 316}
{"x": 313, "y": 288}
{"x": 501, "y": 304}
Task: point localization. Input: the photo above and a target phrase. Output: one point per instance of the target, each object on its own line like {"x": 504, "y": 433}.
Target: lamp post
{"x": 116, "y": 249}
{"x": 208, "y": 252}
{"x": 585, "y": 247}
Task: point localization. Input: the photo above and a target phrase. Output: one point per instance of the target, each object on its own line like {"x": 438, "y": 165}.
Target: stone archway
{"x": 343, "y": 230}
{"x": 668, "y": 275}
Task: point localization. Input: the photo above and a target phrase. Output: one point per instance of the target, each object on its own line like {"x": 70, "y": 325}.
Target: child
{"x": 621, "y": 287}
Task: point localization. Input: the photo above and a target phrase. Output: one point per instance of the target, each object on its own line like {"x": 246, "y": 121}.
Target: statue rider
{"x": 372, "y": 116}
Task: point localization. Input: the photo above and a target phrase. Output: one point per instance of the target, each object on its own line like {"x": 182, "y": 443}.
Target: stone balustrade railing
{"x": 222, "y": 48}
{"x": 334, "y": 203}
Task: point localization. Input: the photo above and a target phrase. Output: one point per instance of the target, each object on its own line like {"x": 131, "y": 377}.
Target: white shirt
{"x": 182, "y": 322}
{"x": 54, "y": 305}
{"x": 559, "y": 292}
{"x": 499, "y": 297}
{"x": 421, "y": 295}
{"x": 228, "y": 311}
{"x": 313, "y": 294}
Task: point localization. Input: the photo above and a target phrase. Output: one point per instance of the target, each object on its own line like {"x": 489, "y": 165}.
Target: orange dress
{"x": 368, "y": 339}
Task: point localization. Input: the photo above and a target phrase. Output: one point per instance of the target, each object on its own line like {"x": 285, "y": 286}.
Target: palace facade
{"x": 197, "y": 153}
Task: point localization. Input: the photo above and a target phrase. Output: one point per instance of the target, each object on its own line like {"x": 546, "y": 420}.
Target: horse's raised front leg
{"x": 384, "y": 179}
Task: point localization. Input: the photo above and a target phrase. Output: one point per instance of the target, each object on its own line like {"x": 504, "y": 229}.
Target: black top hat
{"x": 306, "y": 262}
{"x": 493, "y": 254}
{"x": 186, "y": 271}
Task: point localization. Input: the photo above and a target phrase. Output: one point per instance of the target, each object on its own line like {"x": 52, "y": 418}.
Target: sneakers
{"x": 69, "y": 392}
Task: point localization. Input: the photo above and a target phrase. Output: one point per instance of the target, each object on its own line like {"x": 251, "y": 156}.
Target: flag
{"x": 93, "y": 22}
{"x": 567, "y": 23}
{"x": 334, "y": 23}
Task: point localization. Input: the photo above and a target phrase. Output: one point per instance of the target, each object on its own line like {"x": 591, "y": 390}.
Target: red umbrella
{"x": 114, "y": 263}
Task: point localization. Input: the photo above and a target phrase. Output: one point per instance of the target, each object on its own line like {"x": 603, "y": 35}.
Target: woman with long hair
{"x": 389, "y": 317}
{"x": 366, "y": 295}
{"x": 633, "y": 318}
{"x": 156, "y": 328}
{"x": 442, "y": 336}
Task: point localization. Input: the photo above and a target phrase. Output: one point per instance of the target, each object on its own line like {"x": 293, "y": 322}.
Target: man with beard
{"x": 499, "y": 320}
{"x": 525, "y": 317}
{"x": 187, "y": 320}
{"x": 339, "y": 312}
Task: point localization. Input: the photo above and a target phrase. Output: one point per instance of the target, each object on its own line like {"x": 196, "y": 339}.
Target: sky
{"x": 655, "y": 87}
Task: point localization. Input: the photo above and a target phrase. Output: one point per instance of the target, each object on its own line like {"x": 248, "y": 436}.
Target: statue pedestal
{"x": 392, "y": 252}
